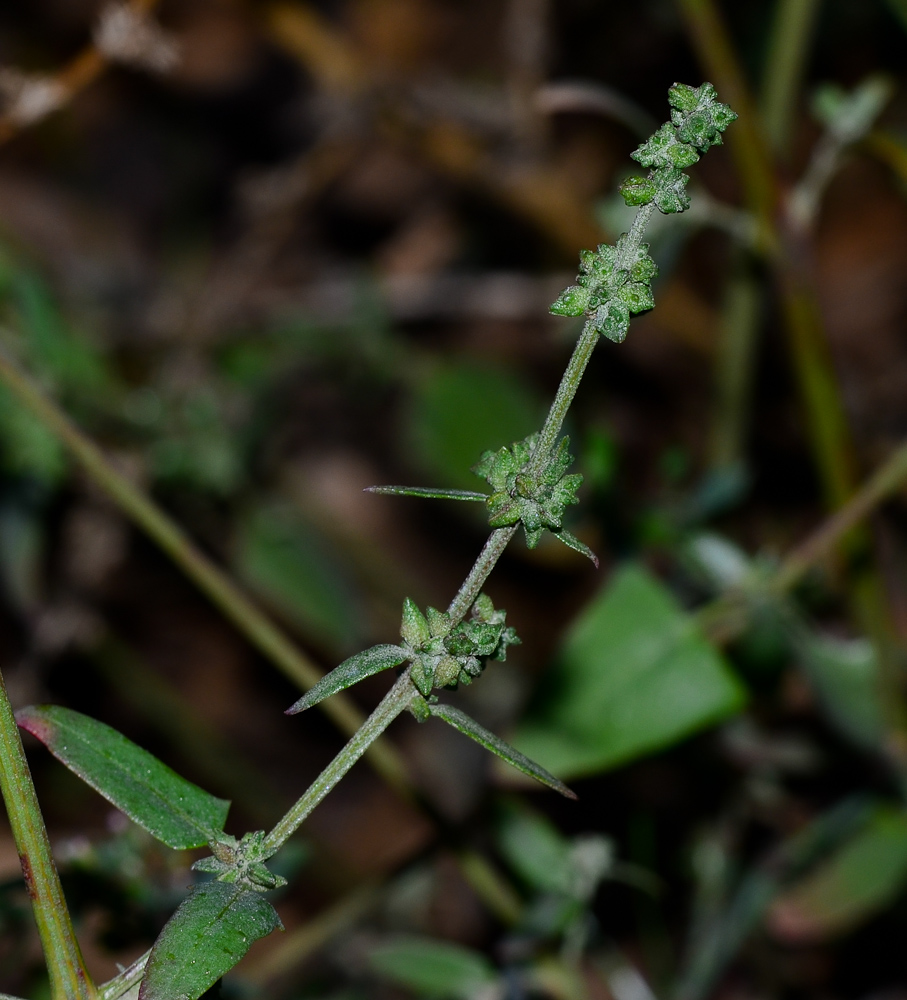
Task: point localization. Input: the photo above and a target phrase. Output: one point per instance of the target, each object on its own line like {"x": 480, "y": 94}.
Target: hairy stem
{"x": 498, "y": 540}
{"x": 212, "y": 581}
{"x": 69, "y": 979}
{"x": 391, "y": 705}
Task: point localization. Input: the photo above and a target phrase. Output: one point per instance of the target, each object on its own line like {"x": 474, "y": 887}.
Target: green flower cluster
{"x": 697, "y": 120}
{"x": 615, "y": 282}
{"x": 445, "y": 655}
{"x": 240, "y": 862}
{"x": 537, "y": 501}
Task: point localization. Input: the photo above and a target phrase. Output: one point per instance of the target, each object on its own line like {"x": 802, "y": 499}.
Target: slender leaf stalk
{"x": 212, "y": 581}
{"x": 784, "y": 65}
{"x": 394, "y": 702}
{"x": 69, "y": 980}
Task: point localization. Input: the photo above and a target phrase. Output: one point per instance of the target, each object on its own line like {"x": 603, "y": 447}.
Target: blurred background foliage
{"x": 266, "y": 254}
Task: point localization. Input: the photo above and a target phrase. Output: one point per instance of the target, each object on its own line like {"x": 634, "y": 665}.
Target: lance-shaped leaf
{"x": 472, "y": 729}
{"x": 572, "y": 542}
{"x": 209, "y": 933}
{"x": 427, "y": 492}
{"x": 170, "y": 808}
{"x": 350, "y": 672}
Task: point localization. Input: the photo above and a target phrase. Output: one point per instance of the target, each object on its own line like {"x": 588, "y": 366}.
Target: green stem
{"x": 884, "y": 481}
{"x": 212, "y": 581}
{"x": 120, "y": 985}
{"x": 735, "y": 367}
{"x": 784, "y": 65}
{"x": 393, "y": 703}
{"x": 69, "y": 979}
{"x": 498, "y": 540}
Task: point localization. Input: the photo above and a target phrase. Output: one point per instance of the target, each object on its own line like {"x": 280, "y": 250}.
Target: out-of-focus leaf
{"x": 26, "y": 448}
{"x": 170, "y": 808}
{"x": 57, "y": 351}
{"x": 535, "y": 849}
{"x": 22, "y": 538}
{"x": 858, "y": 880}
{"x": 845, "y": 676}
{"x": 434, "y": 968}
{"x": 351, "y": 671}
{"x": 291, "y": 566}
{"x": 634, "y": 675}
{"x": 209, "y": 933}
{"x": 460, "y": 411}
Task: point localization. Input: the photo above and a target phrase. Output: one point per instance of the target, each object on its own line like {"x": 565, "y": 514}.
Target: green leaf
{"x": 413, "y": 627}
{"x": 572, "y": 542}
{"x": 535, "y": 849}
{"x": 350, "y": 672}
{"x": 845, "y": 675}
{"x": 427, "y": 492}
{"x": 170, "y": 808}
{"x": 292, "y": 567}
{"x": 861, "y": 878}
{"x": 469, "y": 727}
{"x": 634, "y": 675}
{"x": 209, "y": 933}
{"x": 461, "y": 411}
{"x": 434, "y": 969}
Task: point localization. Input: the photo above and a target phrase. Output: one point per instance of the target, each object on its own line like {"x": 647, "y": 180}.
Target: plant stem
{"x": 784, "y": 65}
{"x": 471, "y": 587}
{"x": 69, "y": 979}
{"x": 117, "y": 987}
{"x": 822, "y": 542}
{"x": 212, "y": 581}
{"x": 390, "y": 706}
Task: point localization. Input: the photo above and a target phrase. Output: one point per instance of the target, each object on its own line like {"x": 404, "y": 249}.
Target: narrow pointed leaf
{"x": 209, "y": 933}
{"x": 472, "y": 729}
{"x": 572, "y": 542}
{"x": 170, "y": 808}
{"x": 351, "y": 671}
{"x": 427, "y": 492}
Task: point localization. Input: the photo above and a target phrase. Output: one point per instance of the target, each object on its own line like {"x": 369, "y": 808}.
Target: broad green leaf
{"x": 858, "y": 880}
{"x": 469, "y": 727}
{"x": 288, "y": 563}
{"x": 350, "y": 672}
{"x": 462, "y": 410}
{"x": 170, "y": 808}
{"x": 209, "y": 933}
{"x": 634, "y": 675}
{"x": 434, "y": 969}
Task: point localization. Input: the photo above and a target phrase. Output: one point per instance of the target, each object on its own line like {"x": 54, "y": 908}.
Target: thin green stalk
{"x": 493, "y": 549}
{"x": 120, "y": 985}
{"x": 746, "y": 143}
{"x": 792, "y": 30}
{"x": 735, "y": 364}
{"x": 69, "y": 979}
{"x": 212, "y": 581}
{"x": 391, "y": 705}
{"x": 879, "y": 487}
